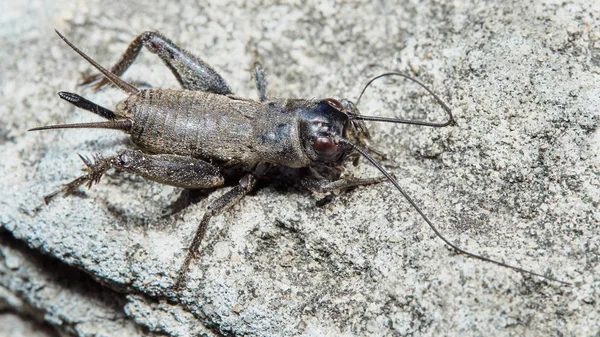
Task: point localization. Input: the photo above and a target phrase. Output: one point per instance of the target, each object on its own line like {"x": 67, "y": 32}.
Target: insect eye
{"x": 334, "y": 103}
{"x": 324, "y": 145}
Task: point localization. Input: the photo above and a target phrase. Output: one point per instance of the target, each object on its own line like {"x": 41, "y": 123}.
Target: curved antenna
{"x": 450, "y": 120}
{"x": 435, "y": 230}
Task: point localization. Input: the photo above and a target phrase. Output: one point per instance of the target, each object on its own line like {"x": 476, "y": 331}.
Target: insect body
{"x": 232, "y": 131}
{"x": 203, "y": 135}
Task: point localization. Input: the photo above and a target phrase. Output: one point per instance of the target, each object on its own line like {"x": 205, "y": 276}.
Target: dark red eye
{"x": 334, "y": 103}
{"x": 324, "y": 145}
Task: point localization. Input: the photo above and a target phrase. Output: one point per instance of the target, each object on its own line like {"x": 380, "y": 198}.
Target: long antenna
{"x": 435, "y": 230}
{"x": 450, "y": 120}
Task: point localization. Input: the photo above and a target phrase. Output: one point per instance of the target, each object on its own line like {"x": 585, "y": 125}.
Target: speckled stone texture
{"x": 516, "y": 180}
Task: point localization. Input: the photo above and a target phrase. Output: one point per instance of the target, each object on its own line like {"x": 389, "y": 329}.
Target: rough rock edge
{"x": 49, "y": 291}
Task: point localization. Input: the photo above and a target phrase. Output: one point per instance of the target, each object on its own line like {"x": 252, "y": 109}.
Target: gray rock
{"x": 50, "y": 292}
{"x": 13, "y": 325}
{"x": 516, "y": 180}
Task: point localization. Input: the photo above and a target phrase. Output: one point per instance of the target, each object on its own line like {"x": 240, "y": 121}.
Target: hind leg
{"x": 191, "y": 72}
{"x": 171, "y": 170}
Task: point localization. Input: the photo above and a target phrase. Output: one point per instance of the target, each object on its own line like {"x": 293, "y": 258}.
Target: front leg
{"x": 316, "y": 183}
{"x": 191, "y": 72}
{"x": 325, "y": 186}
{"x": 230, "y": 198}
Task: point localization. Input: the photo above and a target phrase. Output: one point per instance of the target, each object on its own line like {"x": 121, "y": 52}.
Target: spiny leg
{"x": 191, "y": 72}
{"x": 172, "y": 170}
{"x": 95, "y": 168}
{"x": 261, "y": 83}
{"x": 224, "y": 202}
{"x": 318, "y": 184}
{"x": 325, "y": 186}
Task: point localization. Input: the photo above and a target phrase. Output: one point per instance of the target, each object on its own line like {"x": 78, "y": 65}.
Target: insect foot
{"x": 95, "y": 168}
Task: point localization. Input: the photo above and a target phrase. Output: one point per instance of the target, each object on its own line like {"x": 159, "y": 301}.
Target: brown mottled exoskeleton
{"x": 200, "y": 136}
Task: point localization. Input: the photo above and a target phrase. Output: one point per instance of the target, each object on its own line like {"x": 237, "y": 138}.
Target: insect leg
{"x": 191, "y": 72}
{"x": 318, "y": 184}
{"x": 261, "y": 83}
{"x": 230, "y": 198}
{"x": 172, "y": 170}
{"x": 95, "y": 168}
{"x": 324, "y": 182}
{"x": 324, "y": 186}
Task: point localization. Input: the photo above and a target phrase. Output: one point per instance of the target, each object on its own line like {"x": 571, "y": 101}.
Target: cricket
{"x": 203, "y": 136}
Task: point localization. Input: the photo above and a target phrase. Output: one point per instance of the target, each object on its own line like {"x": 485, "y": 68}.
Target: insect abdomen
{"x": 192, "y": 123}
